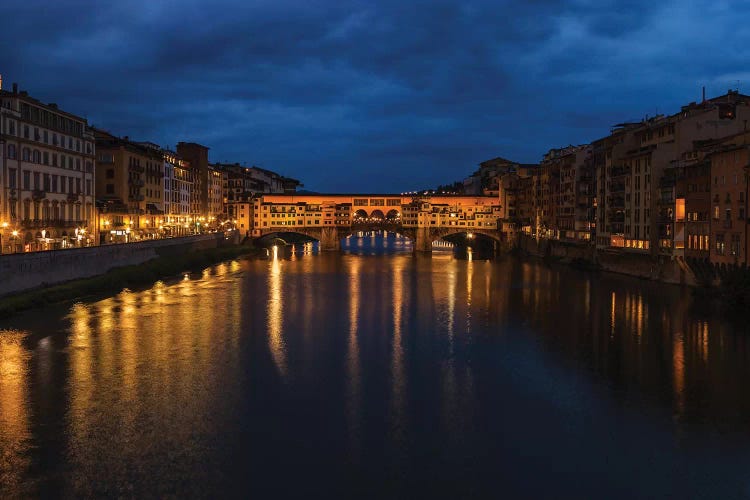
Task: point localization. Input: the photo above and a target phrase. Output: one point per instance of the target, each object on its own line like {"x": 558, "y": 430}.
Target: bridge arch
{"x": 464, "y": 235}
{"x": 285, "y": 238}
{"x": 392, "y": 214}
{"x": 377, "y": 214}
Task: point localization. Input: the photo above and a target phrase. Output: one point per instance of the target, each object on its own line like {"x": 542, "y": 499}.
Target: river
{"x": 376, "y": 373}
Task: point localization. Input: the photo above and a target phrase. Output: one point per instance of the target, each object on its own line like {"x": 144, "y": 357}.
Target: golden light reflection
{"x": 469, "y": 285}
{"x": 612, "y": 316}
{"x": 354, "y": 395}
{"x": 678, "y": 372}
{"x": 15, "y": 413}
{"x": 275, "y": 311}
{"x": 397, "y": 357}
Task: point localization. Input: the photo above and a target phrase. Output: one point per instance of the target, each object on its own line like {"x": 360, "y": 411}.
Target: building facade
{"x": 47, "y": 190}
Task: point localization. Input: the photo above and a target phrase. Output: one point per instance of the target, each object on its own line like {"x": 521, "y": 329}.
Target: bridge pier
{"x": 422, "y": 240}
{"x": 329, "y": 239}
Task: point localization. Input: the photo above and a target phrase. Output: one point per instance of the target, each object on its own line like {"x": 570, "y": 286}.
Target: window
{"x": 110, "y": 189}
{"x": 12, "y": 177}
{"x": 26, "y": 179}
{"x": 720, "y": 244}
{"x": 12, "y": 151}
{"x": 37, "y": 157}
{"x": 26, "y": 154}
{"x": 110, "y": 173}
{"x": 735, "y": 246}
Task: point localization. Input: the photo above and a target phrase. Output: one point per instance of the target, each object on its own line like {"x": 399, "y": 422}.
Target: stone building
{"x": 47, "y": 178}
{"x": 129, "y": 187}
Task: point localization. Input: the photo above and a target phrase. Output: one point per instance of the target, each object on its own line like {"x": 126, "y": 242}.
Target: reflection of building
{"x": 47, "y": 176}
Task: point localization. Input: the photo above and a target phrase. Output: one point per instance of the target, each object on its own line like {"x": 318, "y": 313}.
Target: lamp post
{"x": 14, "y": 239}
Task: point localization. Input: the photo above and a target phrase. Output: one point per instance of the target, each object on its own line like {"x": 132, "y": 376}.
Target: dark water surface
{"x": 340, "y": 375}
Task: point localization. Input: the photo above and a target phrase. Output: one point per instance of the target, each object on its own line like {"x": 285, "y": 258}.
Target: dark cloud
{"x": 385, "y": 96}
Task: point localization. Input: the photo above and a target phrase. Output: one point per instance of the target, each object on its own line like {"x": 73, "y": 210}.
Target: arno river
{"x": 385, "y": 375}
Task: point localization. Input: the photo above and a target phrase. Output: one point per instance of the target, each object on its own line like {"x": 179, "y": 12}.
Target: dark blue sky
{"x": 372, "y": 96}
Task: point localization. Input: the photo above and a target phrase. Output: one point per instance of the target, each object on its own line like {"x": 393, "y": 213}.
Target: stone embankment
{"x": 632, "y": 264}
{"x": 26, "y": 271}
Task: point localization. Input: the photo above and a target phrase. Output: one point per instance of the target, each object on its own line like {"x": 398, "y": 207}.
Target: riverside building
{"x": 129, "y": 188}
{"x": 47, "y": 178}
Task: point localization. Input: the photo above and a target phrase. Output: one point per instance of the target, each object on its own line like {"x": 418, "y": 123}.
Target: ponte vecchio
{"x": 330, "y": 217}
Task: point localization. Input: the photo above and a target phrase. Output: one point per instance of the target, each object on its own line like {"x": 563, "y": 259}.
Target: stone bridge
{"x": 329, "y": 218}
{"x": 330, "y": 237}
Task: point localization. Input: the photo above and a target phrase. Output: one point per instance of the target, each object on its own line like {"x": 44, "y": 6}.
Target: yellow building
{"x": 47, "y": 178}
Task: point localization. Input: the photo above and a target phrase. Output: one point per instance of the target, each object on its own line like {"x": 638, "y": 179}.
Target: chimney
{"x": 704, "y": 94}
{"x": 15, "y": 88}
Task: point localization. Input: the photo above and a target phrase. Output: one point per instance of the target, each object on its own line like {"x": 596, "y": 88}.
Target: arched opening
{"x": 377, "y": 215}
{"x": 288, "y": 245}
{"x": 393, "y": 215}
{"x": 471, "y": 246}
{"x": 376, "y": 241}
{"x": 359, "y": 216}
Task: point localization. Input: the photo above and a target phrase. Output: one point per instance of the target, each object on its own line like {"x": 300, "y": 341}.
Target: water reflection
{"x": 15, "y": 433}
{"x": 414, "y": 374}
{"x": 275, "y": 311}
{"x": 353, "y": 371}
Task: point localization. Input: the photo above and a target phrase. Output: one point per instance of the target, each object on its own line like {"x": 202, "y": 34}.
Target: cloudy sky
{"x": 372, "y": 95}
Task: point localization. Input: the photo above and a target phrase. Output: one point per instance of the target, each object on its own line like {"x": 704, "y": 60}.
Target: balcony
{"x": 73, "y": 197}
{"x": 136, "y": 182}
{"x": 137, "y": 197}
{"x": 136, "y": 169}
{"x": 49, "y": 223}
{"x": 38, "y": 194}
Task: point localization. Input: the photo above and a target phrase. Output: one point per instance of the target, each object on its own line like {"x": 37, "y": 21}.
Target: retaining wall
{"x": 24, "y": 271}
{"x": 623, "y": 262}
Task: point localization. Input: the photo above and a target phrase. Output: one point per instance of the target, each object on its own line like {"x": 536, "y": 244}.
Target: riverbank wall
{"x": 586, "y": 255}
{"x": 27, "y": 271}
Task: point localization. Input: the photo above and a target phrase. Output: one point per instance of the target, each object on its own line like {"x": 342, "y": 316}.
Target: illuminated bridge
{"x": 329, "y": 218}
